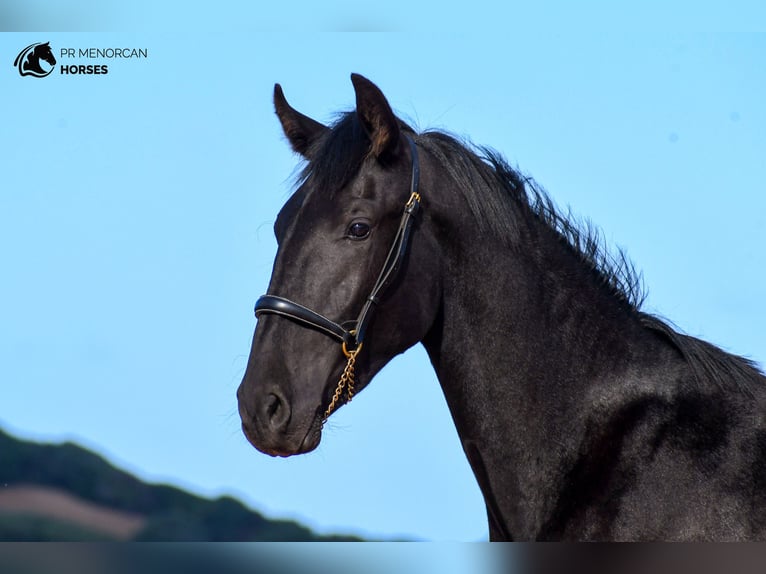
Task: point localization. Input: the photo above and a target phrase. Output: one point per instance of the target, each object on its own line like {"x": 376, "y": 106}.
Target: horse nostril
{"x": 273, "y": 405}
{"x": 277, "y": 411}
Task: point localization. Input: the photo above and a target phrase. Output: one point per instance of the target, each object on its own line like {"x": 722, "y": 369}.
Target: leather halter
{"x": 352, "y": 338}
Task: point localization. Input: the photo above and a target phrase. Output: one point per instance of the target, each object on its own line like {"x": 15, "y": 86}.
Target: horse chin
{"x": 286, "y": 447}
{"x": 311, "y": 440}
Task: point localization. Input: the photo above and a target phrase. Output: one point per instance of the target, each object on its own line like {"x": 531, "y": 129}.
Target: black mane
{"x": 493, "y": 188}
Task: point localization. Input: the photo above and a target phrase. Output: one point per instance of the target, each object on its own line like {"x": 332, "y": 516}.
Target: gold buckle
{"x": 414, "y": 198}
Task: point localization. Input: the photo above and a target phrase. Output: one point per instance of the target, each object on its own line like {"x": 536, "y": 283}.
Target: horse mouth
{"x": 285, "y": 447}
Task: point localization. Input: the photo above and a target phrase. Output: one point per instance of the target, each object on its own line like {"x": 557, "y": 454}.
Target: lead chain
{"x": 346, "y": 381}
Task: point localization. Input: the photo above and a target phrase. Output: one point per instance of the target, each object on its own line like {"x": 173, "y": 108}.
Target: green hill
{"x": 165, "y": 513}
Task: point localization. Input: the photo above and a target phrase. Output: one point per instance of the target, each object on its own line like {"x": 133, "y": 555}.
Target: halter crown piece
{"x": 352, "y": 339}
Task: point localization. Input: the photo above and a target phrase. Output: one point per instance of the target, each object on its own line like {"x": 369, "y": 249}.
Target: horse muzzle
{"x": 274, "y": 428}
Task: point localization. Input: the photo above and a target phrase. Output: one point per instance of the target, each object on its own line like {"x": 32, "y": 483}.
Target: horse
{"x": 582, "y": 416}
{"x": 28, "y": 61}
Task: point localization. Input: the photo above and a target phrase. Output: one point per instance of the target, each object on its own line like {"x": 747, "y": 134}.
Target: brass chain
{"x": 346, "y": 381}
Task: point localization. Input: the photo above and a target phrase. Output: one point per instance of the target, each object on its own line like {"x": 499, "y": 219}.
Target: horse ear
{"x": 376, "y": 116}
{"x": 301, "y": 131}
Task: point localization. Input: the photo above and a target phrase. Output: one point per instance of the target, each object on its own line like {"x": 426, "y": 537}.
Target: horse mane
{"x": 492, "y": 188}
{"x": 493, "y": 191}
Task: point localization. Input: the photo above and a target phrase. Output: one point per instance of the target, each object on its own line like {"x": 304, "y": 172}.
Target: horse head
{"x": 335, "y": 234}
{"x": 43, "y": 52}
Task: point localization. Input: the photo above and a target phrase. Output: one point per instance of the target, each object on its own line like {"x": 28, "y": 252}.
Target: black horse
{"x": 582, "y": 417}
{"x": 28, "y": 61}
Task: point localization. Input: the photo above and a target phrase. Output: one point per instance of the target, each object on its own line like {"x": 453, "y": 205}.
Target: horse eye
{"x": 358, "y": 230}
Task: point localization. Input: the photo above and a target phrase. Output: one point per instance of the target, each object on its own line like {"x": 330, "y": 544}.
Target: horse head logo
{"x": 28, "y": 60}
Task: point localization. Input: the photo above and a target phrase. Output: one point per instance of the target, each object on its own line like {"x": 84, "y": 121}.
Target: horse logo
{"x": 28, "y": 60}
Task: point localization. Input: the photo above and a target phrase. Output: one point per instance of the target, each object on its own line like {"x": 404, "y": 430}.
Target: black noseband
{"x": 286, "y": 308}
{"x": 353, "y": 338}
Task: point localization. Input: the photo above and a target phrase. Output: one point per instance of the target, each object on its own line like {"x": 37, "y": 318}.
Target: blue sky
{"x": 135, "y": 229}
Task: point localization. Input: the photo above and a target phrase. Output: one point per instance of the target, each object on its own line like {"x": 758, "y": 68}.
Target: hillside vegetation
{"x": 88, "y": 490}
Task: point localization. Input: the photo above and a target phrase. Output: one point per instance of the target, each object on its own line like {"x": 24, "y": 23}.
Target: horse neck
{"x": 524, "y": 334}
{"x": 520, "y": 321}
